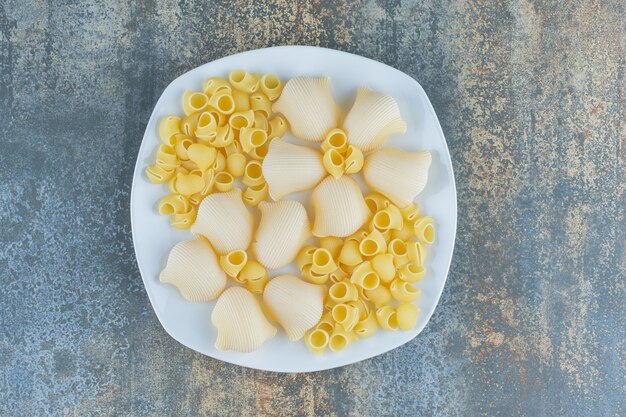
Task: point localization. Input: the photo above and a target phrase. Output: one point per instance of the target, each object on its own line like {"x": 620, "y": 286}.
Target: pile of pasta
{"x": 358, "y": 276}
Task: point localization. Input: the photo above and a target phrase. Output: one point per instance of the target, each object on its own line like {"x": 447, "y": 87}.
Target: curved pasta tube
{"x": 194, "y": 102}
{"x": 373, "y": 118}
{"x": 296, "y": 305}
{"x": 220, "y": 162}
{"x": 244, "y": 81}
{"x": 255, "y": 194}
{"x": 379, "y": 296}
{"x": 326, "y": 323}
{"x": 387, "y": 318}
{"x": 258, "y": 282}
{"x": 339, "y": 207}
{"x": 224, "y": 136}
{"x": 203, "y": 156}
{"x": 376, "y": 202}
{"x": 397, "y": 174}
{"x": 364, "y": 276}
{"x": 168, "y": 127}
{"x": 332, "y": 244}
{"x": 343, "y": 292}
{"x": 240, "y": 322}
{"x": 404, "y": 234}
{"x": 283, "y": 229}
{"x": 362, "y": 306}
{"x": 224, "y": 181}
{"x": 184, "y": 220}
{"x": 411, "y": 212}
{"x": 225, "y": 221}
{"x": 305, "y": 256}
{"x": 215, "y": 84}
{"x": 242, "y": 101}
{"x": 389, "y": 218}
{"x": 172, "y": 182}
{"x": 290, "y": 168}
{"x": 271, "y": 86}
{"x": 350, "y": 254}
{"x": 345, "y": 315}
{"x": 333, "y": 163}
{"x": 158, "y": 174}
{"x": 188, "y": 124}
{"x": 407, "y": 314}
{"x": 253, "y": 271}
{"x": 416, "y": 252}
{"x": 313, "y": 277}
{"x": 260, "y": 121}
{"x": 172, "y": 204}
{"x": 259, "y": 152}
{"x": 337, "y": 275}
{"x": 189, "y": 184}
{"x": 308, "y": 105}
{"x": 253, "y": 174}
{"x": 251, "y": 138}
{"x": 322, "y": 262}
{"x": 340, "y": 338}
{"x": 373, "y": 244}
{"x": 236, "y": 164}
{"x": 277, "y": 127}
{"x": 335, "y": 139}
{"x": 411, "y": 272}
{"x": 233, "y": 262}
{"x": 261, "y": 103}
{"x": 366, "y": 327}
{"x": 384, "y": 266}
{"x": 424, "y": 229}
{"x": 317, "y": 340}
{"x": 399, "y": 250}
{"x": 353, "y": 160}
{"x": 220, "y": 118}
{"x": 222, "y": 101}
{"x": 241, "y": 119}
{"x": 193, "y": 268}
{"x": 403, "y": 291}
{"x": 206, "y": 128}
{"x": 181, "y": 144}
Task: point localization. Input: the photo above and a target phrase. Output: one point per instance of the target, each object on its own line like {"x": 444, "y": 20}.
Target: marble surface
{"x": 530, "y": 95}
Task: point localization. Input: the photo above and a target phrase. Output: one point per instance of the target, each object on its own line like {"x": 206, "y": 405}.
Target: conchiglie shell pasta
{"x": 308, "y": 105}
{"x": 288, "y": 168}
{"x": 295, "y": 304}
{"x": 194, "y": 269}
{"x": 339, "y": 207}
{"x": 374, "y": 117}
{"x": 397, "y": 174}
{"x": 225, "y": 221}
{"x": 283, "y": 229}
{"x": 240, "y": 322}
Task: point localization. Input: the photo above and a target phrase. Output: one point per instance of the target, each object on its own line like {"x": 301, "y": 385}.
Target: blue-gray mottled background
{"x": 530, "y": 95}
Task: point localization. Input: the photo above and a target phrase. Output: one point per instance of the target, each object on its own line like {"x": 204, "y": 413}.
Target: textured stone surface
{"x": 531, "y": 98}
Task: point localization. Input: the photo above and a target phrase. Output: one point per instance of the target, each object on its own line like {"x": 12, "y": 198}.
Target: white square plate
{"x": 153, "y": 237}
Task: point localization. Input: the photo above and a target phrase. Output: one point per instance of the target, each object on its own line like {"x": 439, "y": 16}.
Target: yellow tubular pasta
{"x": 350, "y": 254}
{"x": 323, "y": 262}
{"x": 411, "y": 272}
{"x": 277, "y": 127}
{"x": 233, "y": 262}
{"x": 194, "y": 102}
{"x": 214, "y": 84}
{"x": 259, "y": 153}
{"x": 335, "y": 139}
{"x": 346, "y": 315}
{"x": 236, "y": 164}
{"x": 241, "y": 119}
{"x": 184, "y": 220}
{"x": 358, "y": 236}
{"x": 260, "y": 121}
{"x": 158, "y": 175}
{"x": 333, "y": 163}
{"x": 220, "y": 118}
{"x": 255, "y": 276}
{"x": 224, "y": 181}
{"x": 188, "y": 165}
{"x": 242, "y": 101}
{"x": 202, "y": 155}
{"x": 181, "y": 144}
{"x": 343, "y": 292}
{"x": 222, "y": 101}
{"x": 251, "y": 137}
{"x": 206, "y": 127}
{"x": 255, "y": 194}
{"x": 376, "y": 202}
{"x": 259, "y": 102}
{"x": 366, "y": 327}
{"x": 329, "y": 303}
{"x": 234, "y": 147}
{"x": 305, "y": 256}
{"x": 387, "y": 219}
{"x": 317, "y": 340}
{"x": 399, "y": 250}
{"x": 253, "y": 174}
{"x": 403, "y": 291}
{"x": 244, "y": 81}
{"x": 379, "y": 296}
{"x": 313, "y": 277}
{"x": 425, "y": 230}
{"x": 172, "y": 204}
{"x": 407, "y": 314}
{"x": 373, "y": 244}
{"x": 188, "y": 184}
{"x": 365, "y": 276}
{"x": 416, "y": 252}
{"x": 189, "y": 124}
{"x": 271, "y": 86}
{"x": 332, "y": 244}
{"x": 410, "y": 212}
{"x": 326, "y": 323}
{"x": 384, "y": 267}
{"x": 168, "y": 127}
{"x": 387, "y": 318}
{"x": 354, "y": 160}
{"x": 340, "y": 338}
{"x": 209, "y": 182}
{"x": 220, "y": 163}
{"x": 406, "y": 233}
{"x": 196, "y": 199}
{"x": 337, "y": 275}
{"x": 172, "y": 181}
{"x": 224, "y": 136}
{"x": 362, "y": 306}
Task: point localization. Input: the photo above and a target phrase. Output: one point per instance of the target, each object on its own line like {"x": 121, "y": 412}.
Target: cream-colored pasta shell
{"x": 194, "y": 269}
{"x": 296, "y": 305}
{"x": 283, "y": 229}
{"x": 225, "y": 221}
{"x": 308, "y": 105}
{"x": 340, "y": 209}
{"x": 373, "y": 118}
{"x": 397, "y": 174}
{"x": 289, "y": 168}
{"x": 240, "y": 322}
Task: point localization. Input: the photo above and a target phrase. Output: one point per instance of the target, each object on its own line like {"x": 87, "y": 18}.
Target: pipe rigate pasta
{"x": 184, "y": 220}
{"x": 373, "y": 244}
{"x": 236, "y": 164}
{"x": 317, "y": 340}
{"x": 326, "y": 323}
{"x": 407, "y": 314}
{"x": 345, "y": 315}
{"x": 425, "y": 230}
{"x": 416, "y": 252}
{"x": 364, "y": 276}
{"x": 305, "y": 256}
{"x": 206, "y": 128}
{"x": 259, "y": 102}
{"x": 251, "y": 137}
{"x": 354, "y": 160}
{"x": 255, "y": 274}
{"x": 322, "y": 262}
{"x": 277, "y": 127}
{"x": 166, "y": 157}
{"x": 335, "y": 139}
{"x": 158, "y": 175}
{"x": 233, "y": 262}
{"x": 399, "y": 250}
{"x": 253, "y": 174}
{"x": 271, "y": 86}
{"x": 387, "y": 318}
{"x": 403, "y": 291}
{"x": 181, "y": 144}
{"x": 340, "y": 338}
{"x": 241, "y": 119}
{"x": 389, "y": 218}
{"x": 367, "y": 327}
{"x": 194, "y": 269}
{"x": 260, "y": 121}
{"x": 222, "y": 101}
{"x": 373, "y": 118}
{"x": 215, "y": 84}
{"x": 342, "y": 292}
{"x": 224, "y": 181}
{"x": 188, "y": 124}
{"x": 194, "y": 102}
{"x": 224, "y": 136}
{"x": 411, "y": 272}
{"x": 350, "y": 254}
{"x": 255, "y": 194}
{"x": 376, "y": 202}
{"x": 240, "y": 322}
{"x": 244, "y": 81}
{"x": 333, "y": 163}
{"x": 173, "y": 203}
{"x": 332, "y": 244}
{"x": 404, "y": 234}
{"x": 259, "y": 152}
{"x": 411, "y": 212}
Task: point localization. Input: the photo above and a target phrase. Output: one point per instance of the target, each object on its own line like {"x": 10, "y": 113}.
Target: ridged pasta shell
{"x": 296, "y": 305}
{"x": 340, "y": 209}
{"x": 289, "y": 168}
{"x": 397, "y": 174}
{"x": 283, "y": 229}
{"x": 373, "y": 118}
{"x": 308, "y": 105}
{"x": 194, "y": 269}
{"x": 225, "y": 221}
{"x": 240, "y": 322}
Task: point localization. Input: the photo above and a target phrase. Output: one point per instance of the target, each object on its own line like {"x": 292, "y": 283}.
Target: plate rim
{"x": 138, "y": 169}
